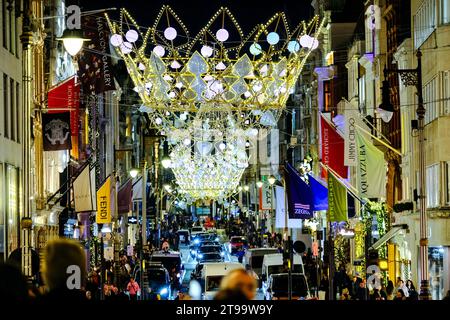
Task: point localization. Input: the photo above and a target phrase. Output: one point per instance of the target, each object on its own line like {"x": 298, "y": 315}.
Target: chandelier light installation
{"x": 210, "y": 92}
{"x": 208, "y": 158}
{"x": 219, "y": 69}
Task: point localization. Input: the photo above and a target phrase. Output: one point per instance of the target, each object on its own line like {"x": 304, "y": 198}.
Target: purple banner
{"x": 300, "y": 200}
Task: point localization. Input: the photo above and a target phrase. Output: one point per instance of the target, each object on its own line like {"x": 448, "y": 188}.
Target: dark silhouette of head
{"x": 13, "y": 285}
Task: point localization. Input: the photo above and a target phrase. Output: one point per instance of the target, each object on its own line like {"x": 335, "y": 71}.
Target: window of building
{"x": 446, "y": 92}
{"x": 12, "y": 105}
{"x": 12, "y": 27}
{"x": 5, "y": 106}
{"x": 362, "y": 92}
{"x": 447, "y": 182}
{"x": 5, "y": 24}
{"x": 424, "y": 22}
{"x": 445, "y": 11}
{"x": 17, "y": 125}
{"x": 432, "y": 185}
{"x": 327, "y": 95}
{"x": 429, "y": 98}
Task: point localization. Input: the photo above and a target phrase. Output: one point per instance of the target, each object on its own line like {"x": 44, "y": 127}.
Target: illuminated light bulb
{"x": 222, "y": 35}
{"x": 273, "y": 38}
{"x": 221, "y": 66}
{"x": 158, "y": 120}
{"x": 255, "y": 49}
{"x": 167, "y": 77}
{"x": 247, "y": 94}
{"x": 187, "y": 142}
{"x": 222, "y": 146}
{"x": 132, "y": 35}
{"x": 293, "y": 46}
{"x": 159, "y": 51}
{"x": 183, "y": 116}
{"x": 206, "y": 51}
{"x": 116, "y": 40}
{"x": 171, "y": 95}
{"x": 247, "y": 144}
{"x": 178, "y": 85}
{"x": 126, "y": 47}
{"x": 175, "y": 64}
{"x": 141, "y": 66}
{"x": 170, "y": 33}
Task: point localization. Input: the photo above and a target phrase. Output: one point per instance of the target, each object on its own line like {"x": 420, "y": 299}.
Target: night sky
{"x": 196, "y": 13}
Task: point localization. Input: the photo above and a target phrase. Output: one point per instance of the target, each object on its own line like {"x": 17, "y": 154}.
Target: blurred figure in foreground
{"x": 13, "y": 286}
{"x": 236, "y": 282}
{"x": 64, "y": 270}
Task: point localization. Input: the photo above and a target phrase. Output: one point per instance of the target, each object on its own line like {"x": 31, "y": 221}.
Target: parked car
{"x": 277, "y": 287}
{"x": 237, "y": 242}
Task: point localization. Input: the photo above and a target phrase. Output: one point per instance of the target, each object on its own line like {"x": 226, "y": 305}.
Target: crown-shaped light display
{"x": 220, "y": 67}
{"x": 209, "y": 158}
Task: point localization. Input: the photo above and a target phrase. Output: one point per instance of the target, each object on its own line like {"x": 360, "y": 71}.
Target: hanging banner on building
{"x": 93, "y": 189}
{"x": 124, "y": 197}
{"x": 94, "y": 62}
{"x": 56, "y": 131}
{"x": 265, "y": 197}
{"x": 65, "y": 96}
{"x": 82, "y": 191}
{"x": 350, "y": 148}
{"x": 298, "y": 194}
{"x": 104, "y": 202}
{"x": 319, "y": 194}
{"x": 337, "y": 198}
{"x": 371, "y": 169}
{"x": 280, "y": 211}
{"x": 332, "y": 148}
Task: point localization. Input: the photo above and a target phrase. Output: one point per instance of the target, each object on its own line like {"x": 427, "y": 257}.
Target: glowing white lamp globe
{"x": 273, "y": 38}
{"x": 126, "y": 47}
{"x": 222, "y": 35}
{"x": 132, "y": 35}
{"x": 170, "y": 33}
{"x": 206, "y": 51}
{"x": 293, "y": 46}
{"x": 159, "y": 51}
{"x": 116, "y": 40}
{"x": 255, "y": 49}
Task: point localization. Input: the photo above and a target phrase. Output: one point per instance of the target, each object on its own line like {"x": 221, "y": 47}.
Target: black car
{"x": 172, "y": 262}
{"x": 196, "y": 274}
{"x": 210, "y": 257}
{"x": 159, "y": 280}
{"x": 209, "y": 249}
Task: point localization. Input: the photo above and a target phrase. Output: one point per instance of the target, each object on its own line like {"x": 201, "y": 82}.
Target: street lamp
{"x": 272, "y": 181}
{"x": 73, "y": 41}
{"x": 413, "y": 77}
{"x": 134, "y": 172}
{"x": 246, "y": 188}
{"x": 259, "y": 184}
{"x": 166, "y": 162}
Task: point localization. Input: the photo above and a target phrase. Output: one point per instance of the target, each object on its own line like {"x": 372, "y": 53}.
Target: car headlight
{"x": 178, "y": 275}
{"x": 192, "y": 251}
{"x": 196, "y": 241}
{"x": 200, "y": 255}
{"x": 217, "y": 238}
{"x": 222, "y": 254}
{"x": 163, "y": 291}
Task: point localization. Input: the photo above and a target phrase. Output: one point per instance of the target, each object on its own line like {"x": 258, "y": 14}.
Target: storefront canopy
{"x": 389, "y": 235}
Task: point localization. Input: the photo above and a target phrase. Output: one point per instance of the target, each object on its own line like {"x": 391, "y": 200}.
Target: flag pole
{"x": 379, "y": 140}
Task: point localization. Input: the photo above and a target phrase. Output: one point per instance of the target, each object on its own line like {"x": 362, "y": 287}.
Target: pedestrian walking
{"x": 133, "y": 289}
{"x": 412, "y": 293}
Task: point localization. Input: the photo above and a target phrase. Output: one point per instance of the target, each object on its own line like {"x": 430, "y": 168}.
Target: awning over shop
{"x": 389, "y": 235}
{"x": 137, "y": 189}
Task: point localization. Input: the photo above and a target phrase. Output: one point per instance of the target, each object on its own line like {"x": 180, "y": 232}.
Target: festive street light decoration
{"x": 182, "y": 73}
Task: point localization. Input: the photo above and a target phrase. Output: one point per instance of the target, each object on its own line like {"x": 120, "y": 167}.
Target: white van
{"x": 254, "y": 257}
{"x": 212, "y": 274}
{"x": 273, "y": 264}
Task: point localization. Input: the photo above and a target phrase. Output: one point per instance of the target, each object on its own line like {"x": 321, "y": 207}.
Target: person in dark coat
{"x": 13, "y": 286}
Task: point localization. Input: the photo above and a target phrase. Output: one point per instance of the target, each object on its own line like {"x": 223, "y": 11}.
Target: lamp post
{"x": 272, "y": 181}
{"x": 413, "y": 77}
